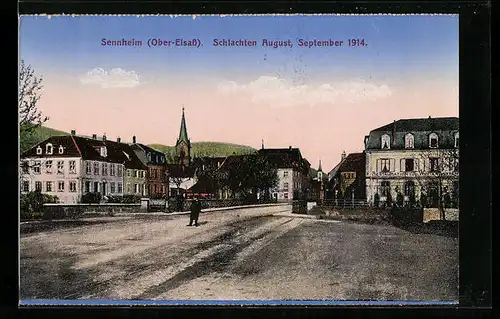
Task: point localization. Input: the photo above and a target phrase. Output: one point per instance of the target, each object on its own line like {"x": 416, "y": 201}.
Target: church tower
{"x": 183, "y": 145}
{"x": 320, "y": 172}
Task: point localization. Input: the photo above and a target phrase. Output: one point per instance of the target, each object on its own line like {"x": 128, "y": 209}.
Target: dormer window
{"x": 38, "y": 150}
{"x": 409, "y": 140}
{"x": 386, "y": 141}
{"x": 456, "y": 140}
{"x": 49, "y": 149}
{"x": 433, "y": 140}
{"x": 104, "y": 151}
{"x": 61, "y": 149}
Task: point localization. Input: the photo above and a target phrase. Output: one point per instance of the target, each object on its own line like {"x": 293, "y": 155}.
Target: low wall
{"x": 185, "y": 205}
{"x": 76, "y": 210}
{"x": 434, "y": 214}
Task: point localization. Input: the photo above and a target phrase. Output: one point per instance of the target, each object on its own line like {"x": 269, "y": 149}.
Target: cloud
{"x": 114, "y": 78}
{"x": 278, "y": 92}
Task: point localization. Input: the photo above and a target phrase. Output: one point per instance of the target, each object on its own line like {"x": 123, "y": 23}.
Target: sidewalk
{"x": 290, "y": 214}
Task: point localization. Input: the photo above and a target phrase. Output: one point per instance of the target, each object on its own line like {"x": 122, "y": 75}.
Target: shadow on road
{"x": 46, "y": 225}
{"x": 439, "y": 228}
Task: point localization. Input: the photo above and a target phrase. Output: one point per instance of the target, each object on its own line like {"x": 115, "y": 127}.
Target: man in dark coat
{"x": 195, "y": 212}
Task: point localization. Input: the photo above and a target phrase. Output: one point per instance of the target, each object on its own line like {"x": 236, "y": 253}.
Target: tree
{"x": 30, "y": 117}
{"x": 439, "y": 169}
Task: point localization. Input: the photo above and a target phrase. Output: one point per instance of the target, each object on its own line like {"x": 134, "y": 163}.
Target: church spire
{"x": 319, "y": 168}
{"x": 183, "y": 135}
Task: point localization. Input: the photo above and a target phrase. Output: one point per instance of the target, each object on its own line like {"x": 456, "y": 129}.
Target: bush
{"x": 91, "y": 198}
{"x": 131, "y": 199}
{"x": 388, "y": 200}
{"x": 376, "y": 200}
{"x": 400, "y": 199}
{"x": 31, "y": 204}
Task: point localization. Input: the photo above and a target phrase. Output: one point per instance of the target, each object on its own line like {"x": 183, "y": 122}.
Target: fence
{"x": 343, "y": 203}
{"x": 56, "y": 211}
{"x": 175, "y": 205}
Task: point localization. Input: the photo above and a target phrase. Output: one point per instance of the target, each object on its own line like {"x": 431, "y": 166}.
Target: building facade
{"x": 156, "y": 180}
{"x": 347, "y": 179}
{"x": 415, "y": 158}
{"x": 69, "y": 166}
{"x": 292, "y": 170}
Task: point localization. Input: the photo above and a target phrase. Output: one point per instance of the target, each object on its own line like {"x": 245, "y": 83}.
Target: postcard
{"x": 238, "y": 159}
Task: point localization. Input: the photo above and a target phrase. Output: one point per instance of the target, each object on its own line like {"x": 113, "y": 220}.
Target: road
{"x": 257, "y": 253}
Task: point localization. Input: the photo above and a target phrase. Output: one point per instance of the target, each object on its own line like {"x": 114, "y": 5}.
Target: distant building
{"x": 417, "y": 158}
{"x": 70, "y": 166}
{"x": 347, "y": 179}
{"x": 181, "y": 173}
{"x": 156, "y": 176}
{"x": 292, "y": 171}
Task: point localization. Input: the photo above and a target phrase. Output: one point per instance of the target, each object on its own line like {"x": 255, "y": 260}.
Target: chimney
{"x": 94, "y": 136}
{"x": 290, "y": 148}
{"x": 73, "y": 132}
{"x": 393, "y": 134}
{"x": 104, "y": 137}
{"x": 343, "y": 156}
{"x": 119, "y": 140}
{"x": 133, "y": 139}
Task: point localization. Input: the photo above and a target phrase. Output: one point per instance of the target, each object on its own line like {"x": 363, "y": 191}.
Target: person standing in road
{"x": 195, "y": 212}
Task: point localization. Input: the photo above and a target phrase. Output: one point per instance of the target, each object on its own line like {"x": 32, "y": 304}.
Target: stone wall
{"x": 433, "y": 214}
{"x": 51, "y": 211}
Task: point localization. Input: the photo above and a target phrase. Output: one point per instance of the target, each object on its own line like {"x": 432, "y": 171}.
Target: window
{"x": 112, "y": 170}
{"x": 96, "y": 168}
{"x": 433, "y": 140}
{"x": 136, "y": 188}
{"x": 129, "y": 173}
{"x": 38, "y": 186}
{"x": 49, "y": 149}
{"x": 120, "y": 188}
{"x": 143, "y": 174}
{"x": 113, "y": 187}
{"x": 155, "y": 189}
{"x": 72, "y": 167}
{"x": 385, "y": 165}
{"x": 60, "y": 186}
{"x": 26, "y": 186}
{"x": 285, "y": 186}
{"x": 135, "y": 173}
{"x": 434, "y": 164}
{"x": 87, "y": 187}
{"x": 456, "y": 140}
{"x": 25, "y": 167}
{"x": 285, "y": 174}
{"x": 129, "y": 188}
{"x": 409, "y": 140}
{"x": 61, "y": 149}
{"x": 36, "y": 167}
{"x": 386, "y": 141}
{"x": 96, "y": 187}
{"x": 456, "y": 167}
{"x": 409, "y": 188}
{"x": 409, "y": 165}
{"x": 38, "y": 150}
{"x": 285, "y": 195}
{"x": 104, "y": 151}
{"x": 104, "y": 169}
{"x": 385, "y": 188}
{"x": 48, "y": 167}
{"x": 88, "y": 168}
{"x": 60, "y": 167}
{"x": 120, "y": 171}
{"x": 72, "y": 187}
{"x": 48, "y": 186}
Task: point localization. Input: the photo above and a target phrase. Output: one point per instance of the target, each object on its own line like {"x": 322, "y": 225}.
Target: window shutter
{"x": 378, "y": 165}
{"x": 393, "y": 164}
{"x": 415, "y": 163}
{"x": 402, "y": 166}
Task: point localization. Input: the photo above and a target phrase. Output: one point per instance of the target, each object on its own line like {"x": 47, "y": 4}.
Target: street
{"x": 252, "y": 253}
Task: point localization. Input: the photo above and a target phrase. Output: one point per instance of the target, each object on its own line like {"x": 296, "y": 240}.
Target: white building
{"x": 70, "y": 166}
{"x": 292, "y": 170}
{"x": 417, "y": 158}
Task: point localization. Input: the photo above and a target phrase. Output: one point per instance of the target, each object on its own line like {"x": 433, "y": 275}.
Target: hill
{"x": 198, "y": 148}
{"x": 41, "y": 133}
{"x": 213, "y": 149}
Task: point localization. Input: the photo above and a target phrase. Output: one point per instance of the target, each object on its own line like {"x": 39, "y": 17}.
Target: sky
{"x": 321, "y": 99}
